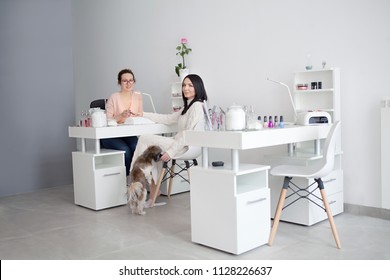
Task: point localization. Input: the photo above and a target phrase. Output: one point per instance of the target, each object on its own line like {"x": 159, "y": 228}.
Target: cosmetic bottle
{"x": 270, "y": 123}
{"x": 276, "y": 123}
{"x": 281, "y": 123}
{"x": 82, "y": 118}
{"x": 265, "y": 121}
{"x": 259, "y": 122}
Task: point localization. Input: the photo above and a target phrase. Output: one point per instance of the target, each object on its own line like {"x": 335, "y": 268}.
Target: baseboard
{"x": 380, "y": 213}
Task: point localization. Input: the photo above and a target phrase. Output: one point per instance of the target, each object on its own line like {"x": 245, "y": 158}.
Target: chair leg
{"x": 188, "y": 173}
{"x": 172, "y": 171}
{"x": 158, "y": 186}
{"x": 278, "y": 213}
{"x": 330, "y": 218}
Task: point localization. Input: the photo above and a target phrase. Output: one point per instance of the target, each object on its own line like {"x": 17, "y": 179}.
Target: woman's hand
{"x": 165, "y": 157}
{"x": 126, "y": 113}
{"x": 121, "y": 118}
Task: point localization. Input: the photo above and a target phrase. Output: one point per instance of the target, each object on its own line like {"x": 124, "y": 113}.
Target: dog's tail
{"x": 135, "y": 191}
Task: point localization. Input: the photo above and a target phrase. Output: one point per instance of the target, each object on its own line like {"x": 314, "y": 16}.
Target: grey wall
{"x": 37, "y": 94}
{"x": 236, "y": 46}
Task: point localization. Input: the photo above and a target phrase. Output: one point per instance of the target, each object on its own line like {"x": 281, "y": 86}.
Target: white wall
{"x": 236, "y": 46}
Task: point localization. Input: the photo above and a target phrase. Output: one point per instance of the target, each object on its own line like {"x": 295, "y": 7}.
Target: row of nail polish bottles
{"x": 271, "y": 122}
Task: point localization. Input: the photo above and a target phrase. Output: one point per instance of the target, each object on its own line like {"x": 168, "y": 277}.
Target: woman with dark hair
{"x": 121, "y": 105}
{"x": 191, "y": 116}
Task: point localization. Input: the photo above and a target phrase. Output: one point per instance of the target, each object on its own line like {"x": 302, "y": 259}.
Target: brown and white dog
{"x": 141, "y": 178}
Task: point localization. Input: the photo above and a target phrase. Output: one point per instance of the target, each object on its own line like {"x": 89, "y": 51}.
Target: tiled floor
{"x": 47, "y": 225}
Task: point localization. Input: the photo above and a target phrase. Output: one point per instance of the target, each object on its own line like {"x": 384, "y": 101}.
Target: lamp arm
{"x": 289, "y": 94}
{"x": 151, "y": 100}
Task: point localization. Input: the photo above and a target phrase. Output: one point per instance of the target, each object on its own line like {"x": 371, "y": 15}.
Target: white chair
{"x": 317, "y": 171}
{"x": 168, "y": 172}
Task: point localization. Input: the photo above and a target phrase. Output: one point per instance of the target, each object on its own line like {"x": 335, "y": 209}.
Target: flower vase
{"x": 183, "y": 73}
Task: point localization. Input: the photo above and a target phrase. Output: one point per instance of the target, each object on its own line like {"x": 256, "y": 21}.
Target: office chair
{"x": 98, "y": 103}
{"x": 316, "y": 171}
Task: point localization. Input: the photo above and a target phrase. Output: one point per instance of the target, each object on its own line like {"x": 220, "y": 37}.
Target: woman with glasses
{"x": 121, "y": 105}
{"x": 190, "y": 117}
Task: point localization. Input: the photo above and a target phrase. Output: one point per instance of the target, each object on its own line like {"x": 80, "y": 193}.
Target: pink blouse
{"x": 114, "y": 106}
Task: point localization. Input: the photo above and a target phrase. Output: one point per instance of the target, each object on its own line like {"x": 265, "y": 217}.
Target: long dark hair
{"x": 200, "y": 92}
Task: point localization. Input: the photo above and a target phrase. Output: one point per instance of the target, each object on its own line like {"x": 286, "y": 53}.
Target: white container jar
{"x": 235, "y": 118}
{"x": 99, "y": 118}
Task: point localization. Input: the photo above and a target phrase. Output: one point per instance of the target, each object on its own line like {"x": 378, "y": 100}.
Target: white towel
{"x": 138, "y": 120}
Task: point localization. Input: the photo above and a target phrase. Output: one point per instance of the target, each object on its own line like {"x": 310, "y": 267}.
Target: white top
{"x": 193, "y": 119}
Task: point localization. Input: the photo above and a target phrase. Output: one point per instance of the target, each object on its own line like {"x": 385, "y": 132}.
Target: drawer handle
{"x": 330, "y": 180}
{"x": 257, "y": 200}
{"x": 331, "y": 202}
{"x": 112, "y": 174}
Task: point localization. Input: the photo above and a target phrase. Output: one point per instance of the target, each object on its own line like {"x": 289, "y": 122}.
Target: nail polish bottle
{"x": 270, "y": 123}
{"x": 281, "y": 123}
{"x": 265, "y": 121}
{"x": 259, "y": 120}
{"x": 276, "y": 123}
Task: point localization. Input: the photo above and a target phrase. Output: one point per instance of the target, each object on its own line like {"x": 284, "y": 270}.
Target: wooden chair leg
{"x": 158, "y": 186}
{"x": 330, "y": 218}
{"x": 188, "y": 174}
{"x": 278, "y": 213}
{"x": 171, "y": 178}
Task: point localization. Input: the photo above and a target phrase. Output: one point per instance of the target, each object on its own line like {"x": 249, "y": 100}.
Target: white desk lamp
{"x": 151, "y": 100}
{"x": 289, "y": 94}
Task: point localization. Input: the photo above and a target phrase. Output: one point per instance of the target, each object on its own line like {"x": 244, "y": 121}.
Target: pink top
{"x": 114, "y": 106}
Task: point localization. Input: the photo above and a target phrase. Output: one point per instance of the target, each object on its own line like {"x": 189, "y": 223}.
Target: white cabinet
{"x": 230, "y": 210}
{"x": 324, "y": 96}
{"x": 99, "y": 179}
{"x": 176, "y": 97}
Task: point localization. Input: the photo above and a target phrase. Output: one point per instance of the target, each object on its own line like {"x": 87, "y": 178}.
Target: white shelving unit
{"x": 230, "y": 210}
{"x": 176, "y": 98}
{"x": 326, "y": 99}
{"x": 99, "y": 179}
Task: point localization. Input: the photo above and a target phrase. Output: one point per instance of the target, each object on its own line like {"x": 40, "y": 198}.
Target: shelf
{"x": 244, "y": 168}
{"x": 313, "y": 110}
{"x": 325, "y": 90}
{"x": 244, "y": 189}
{"x": 315, "y": 71}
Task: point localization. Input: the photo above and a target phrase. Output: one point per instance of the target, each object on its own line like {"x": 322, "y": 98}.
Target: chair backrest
{"x": 329, "y": 151}
{"x": 98, "y": 103}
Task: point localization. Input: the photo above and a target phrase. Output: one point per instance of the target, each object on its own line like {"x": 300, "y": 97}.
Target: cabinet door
{"x": 110, "y": 187}
{"x": 253, "y": 219}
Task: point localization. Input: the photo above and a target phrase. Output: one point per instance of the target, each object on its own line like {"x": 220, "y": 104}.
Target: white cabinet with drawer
{"x": 99, "y": 179}
{"x": 230, "y": 210}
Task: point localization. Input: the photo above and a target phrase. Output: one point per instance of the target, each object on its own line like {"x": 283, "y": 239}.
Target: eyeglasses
{"x": 127, "y": 81}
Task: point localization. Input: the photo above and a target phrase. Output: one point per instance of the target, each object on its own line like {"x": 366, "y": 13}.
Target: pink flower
{"x": 184, "y": 40}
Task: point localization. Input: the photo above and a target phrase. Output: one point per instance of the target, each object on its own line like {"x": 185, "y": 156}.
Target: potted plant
{"x": 182, "y": 50}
